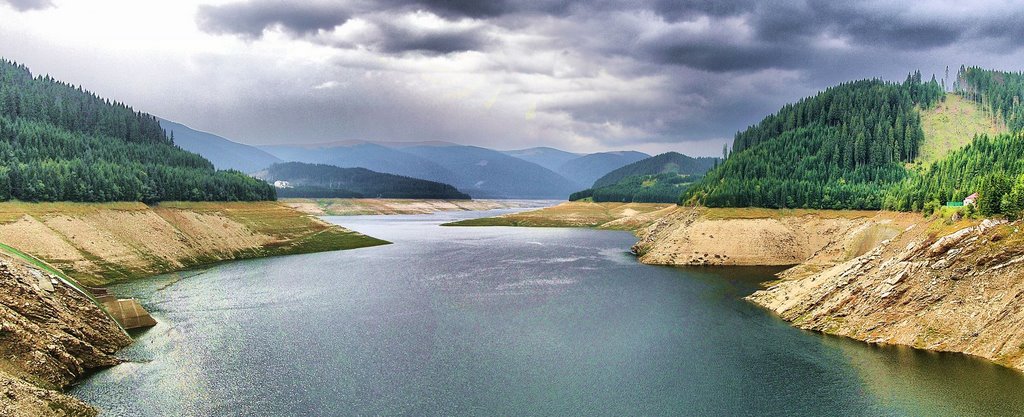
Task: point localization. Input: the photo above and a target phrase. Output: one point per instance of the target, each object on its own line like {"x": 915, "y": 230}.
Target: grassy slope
{"x": 267, "y": 229}
{"x": 571, "y": 214}
{"x": 951, "y": 125}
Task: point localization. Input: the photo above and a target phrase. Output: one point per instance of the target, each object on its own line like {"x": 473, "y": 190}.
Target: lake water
{"x": 507, "y": 321}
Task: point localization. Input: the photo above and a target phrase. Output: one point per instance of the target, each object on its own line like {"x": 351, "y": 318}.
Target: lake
{"x": 507, "y": 321}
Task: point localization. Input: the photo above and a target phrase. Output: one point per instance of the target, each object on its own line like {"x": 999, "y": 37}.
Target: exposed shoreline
{"x": 877, "y": 277}
{"x": 394, "y": 206}
{"x": 98, "y": 244}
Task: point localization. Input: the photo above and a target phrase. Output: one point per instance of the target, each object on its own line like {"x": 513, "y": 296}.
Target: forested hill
{"x": 669, "y": 162}
{"x": 61, "y": 143}
{"x": 319, "y": 180}
{"x": 839, "y": 149}
{"x": 657, "y": 179}
{"x": 999, "y": 92}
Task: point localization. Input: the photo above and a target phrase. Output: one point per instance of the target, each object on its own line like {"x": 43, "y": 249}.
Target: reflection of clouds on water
{"x": 563, "y": 260}
{"x": 553, "y": 282}
{"x": 618, "y": 256}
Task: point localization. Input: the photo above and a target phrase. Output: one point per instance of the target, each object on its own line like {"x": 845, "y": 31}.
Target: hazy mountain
{"x": 666, "y": 163}
{"x": 319, "y": 180}
{"x": 546, "y": 157}
{"x": 480, "y": 172}
{"x": 372, "y": 156}
{"x": 489, "y": 173}
{"x": 588, "y": 168}
{"x": 224, "y": 153}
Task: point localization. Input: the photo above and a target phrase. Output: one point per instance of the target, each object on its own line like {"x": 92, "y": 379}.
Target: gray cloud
{"x": 250, "y": 19}
{"x": 26, "y": 5}
{"x": 582, "y": 75}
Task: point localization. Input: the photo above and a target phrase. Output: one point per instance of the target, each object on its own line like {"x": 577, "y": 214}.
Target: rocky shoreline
{"x": 49, "y": 337}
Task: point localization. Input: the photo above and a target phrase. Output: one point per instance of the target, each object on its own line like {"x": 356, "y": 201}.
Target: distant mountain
{"x": 367, "y": 155}
{"x": 224, "y": 153}
{"x": 319, "y": 180}
{"x": 480, "y": 172}
{"x": 546, "y": 157}
{"x": 588, "y": 168}
{"x": 670, "y": 162}
{"x": 491, "y": 174}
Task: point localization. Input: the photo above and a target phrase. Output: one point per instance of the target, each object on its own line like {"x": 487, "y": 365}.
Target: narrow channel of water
{"x": 508, "y": 321}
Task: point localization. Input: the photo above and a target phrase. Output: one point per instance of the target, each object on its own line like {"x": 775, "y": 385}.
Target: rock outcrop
{"x": 50, "y": 335}
{"x": 961, "y": 292}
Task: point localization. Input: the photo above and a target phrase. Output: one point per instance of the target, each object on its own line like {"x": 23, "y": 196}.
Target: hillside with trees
{"x": 840, "y": 149}
{"x": 657, "y": 179}
{"x": 989, "y": 166}
{"x": 328, "y": 181}
{"x": 61, "y": 143}
{"x": 669, "y": 162}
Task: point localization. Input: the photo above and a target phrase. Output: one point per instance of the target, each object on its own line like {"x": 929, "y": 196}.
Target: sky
{"x": 600, "y": 75}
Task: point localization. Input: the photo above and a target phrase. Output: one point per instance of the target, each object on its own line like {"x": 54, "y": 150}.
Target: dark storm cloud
{"x": 252, "y": 18}
{"x": 25, "y": 5}
{"x": 723, "y": 64}
{"x": 397, "y": 38}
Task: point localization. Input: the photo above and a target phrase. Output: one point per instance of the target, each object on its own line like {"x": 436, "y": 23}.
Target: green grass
{"x": 951, "y": 125}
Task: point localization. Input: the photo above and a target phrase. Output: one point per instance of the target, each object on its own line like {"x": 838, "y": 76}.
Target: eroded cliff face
{"x": 958, "y": 292}
{"x": 50, "y": 334}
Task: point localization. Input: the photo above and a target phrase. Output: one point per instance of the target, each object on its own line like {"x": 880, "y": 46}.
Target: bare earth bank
{"x": 385, "y": 206}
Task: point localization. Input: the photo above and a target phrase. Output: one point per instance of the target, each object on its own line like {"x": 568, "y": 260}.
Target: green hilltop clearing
{"x": 953, "y": 124}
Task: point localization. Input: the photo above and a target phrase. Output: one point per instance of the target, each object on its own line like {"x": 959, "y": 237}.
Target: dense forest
{"x": 62, "y": 143}
{"x": 323, "y": 181}
{"x": 988, "y": 166}
{"x": 998, "y": 92}
{"x": 661, "y": 188}
{"x": 839, "y": 149}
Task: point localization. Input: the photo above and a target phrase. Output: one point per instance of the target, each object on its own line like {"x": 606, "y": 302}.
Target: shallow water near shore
{"x": 507, "y": 321}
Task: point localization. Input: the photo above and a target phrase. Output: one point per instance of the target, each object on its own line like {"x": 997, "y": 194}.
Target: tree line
{"x": 59, "y": 142}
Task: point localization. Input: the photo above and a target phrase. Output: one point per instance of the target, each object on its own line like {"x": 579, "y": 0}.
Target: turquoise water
{"x": 507, "y": 321}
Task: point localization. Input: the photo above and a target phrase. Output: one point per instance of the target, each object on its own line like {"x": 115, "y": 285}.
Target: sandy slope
{"x": 98, "y": 243}
{"x": 373, "y": 206}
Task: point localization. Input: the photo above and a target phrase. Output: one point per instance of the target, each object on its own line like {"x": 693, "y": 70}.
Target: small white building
{"x": 282, "y": 184}
{"x": 971, "y": 199}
